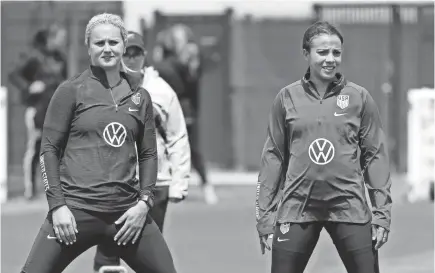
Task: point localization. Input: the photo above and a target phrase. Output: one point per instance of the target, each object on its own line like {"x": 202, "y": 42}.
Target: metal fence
{"x": 388, "y": 49}
{"x": 407, "y": 32}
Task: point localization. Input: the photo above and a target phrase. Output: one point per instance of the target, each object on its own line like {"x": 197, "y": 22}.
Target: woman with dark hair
{"x": 99, "y": 126}
{"x": 311, "y": 176}
{"x": 189, "y": 66}
{"x": 37, "y": 74}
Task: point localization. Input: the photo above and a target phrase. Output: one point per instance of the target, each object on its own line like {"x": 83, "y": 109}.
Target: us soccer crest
{"x": 343, "y": 101}
{"x": 284, "y": 228}
{"x": 136, "y": 98}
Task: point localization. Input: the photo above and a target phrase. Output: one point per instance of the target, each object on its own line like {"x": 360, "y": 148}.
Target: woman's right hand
{"x": 64, "y": 225}
{"x": 264, "y": 242}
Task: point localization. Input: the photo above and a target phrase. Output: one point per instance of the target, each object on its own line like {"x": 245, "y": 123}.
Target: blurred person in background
{"x": 37, "y": 75}
{"x": 99, "y": 126}
{"x": 173, "y": 151}
{"x": 311, "y": 177}
{"x": 181, "y": 65}
{"x": 165, "y": 61}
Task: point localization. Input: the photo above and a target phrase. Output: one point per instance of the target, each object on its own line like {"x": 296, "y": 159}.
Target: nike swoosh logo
{"x": 51, "y": 237}
{"x": 132, "y": 109}
{"x": 337, "y": 115}
{"x": 282, "y": 240}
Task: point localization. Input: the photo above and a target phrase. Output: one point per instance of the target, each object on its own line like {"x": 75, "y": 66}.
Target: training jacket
{"x": 88, "y": 151}
{"x": 310, "y": 167}
{"x": 172, "y": 141}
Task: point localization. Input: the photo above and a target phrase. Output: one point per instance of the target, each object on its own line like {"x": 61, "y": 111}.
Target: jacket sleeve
{"x": 271, "y": 169}
{"x": 24, "y": 70}
{"x": 375, "y": 162}
{"x": 54, "y": 138}
{"x": 178, "y": 149}
{"x": 171, "y": 74}
{"x": 147, "y": 151}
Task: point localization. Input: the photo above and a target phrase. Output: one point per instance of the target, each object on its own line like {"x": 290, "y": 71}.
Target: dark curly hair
{"x": 318, "y": 28}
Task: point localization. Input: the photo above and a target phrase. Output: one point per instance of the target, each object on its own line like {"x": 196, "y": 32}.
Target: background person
{"x": 181, "y": 68}
{"x": 172, "y": 140}
{"x": 37, "y": 74}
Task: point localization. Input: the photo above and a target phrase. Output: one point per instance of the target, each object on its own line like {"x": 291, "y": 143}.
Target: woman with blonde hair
{"x": 98, "y": 125}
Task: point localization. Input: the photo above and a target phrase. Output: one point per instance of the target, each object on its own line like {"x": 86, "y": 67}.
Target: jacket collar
{"x": 334, "y": 86}
{"x": 99, "y": 74}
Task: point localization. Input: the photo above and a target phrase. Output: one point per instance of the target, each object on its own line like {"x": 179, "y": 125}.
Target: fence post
{"x": 317, "y": 10}
{"x": 73, "y": 46}
{"x": 3, "y": 144}
{"x": 228, "y": 115}
{"x": 395, "y": 99}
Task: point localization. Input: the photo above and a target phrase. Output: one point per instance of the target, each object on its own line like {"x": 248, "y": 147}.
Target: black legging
{"x": 30, "y": 165}
{"x": 291, "y": 250}
{"x": 149, "y": 255}
{"x": 157, "y": 213}
{"x": 195, "y": 152}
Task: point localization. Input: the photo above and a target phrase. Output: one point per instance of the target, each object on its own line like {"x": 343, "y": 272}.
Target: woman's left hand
{"x": 380, "y": 235}
{"x": 134, "y": 220}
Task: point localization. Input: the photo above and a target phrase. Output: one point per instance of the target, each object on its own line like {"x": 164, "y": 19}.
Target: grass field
{"x": 223, "y": 239}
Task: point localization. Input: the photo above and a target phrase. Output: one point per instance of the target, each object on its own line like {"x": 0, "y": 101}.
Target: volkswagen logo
{"x": 114, "y": 134}
{"x": 321, "y": 151}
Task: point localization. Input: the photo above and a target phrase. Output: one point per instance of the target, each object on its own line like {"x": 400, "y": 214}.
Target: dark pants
{"x": 291, "y": 250}
{"x": 157, "y": 213}
{"x": 149, "y": 254}
{"x": 31, "y": 162}
{"x": 195, "y": 152}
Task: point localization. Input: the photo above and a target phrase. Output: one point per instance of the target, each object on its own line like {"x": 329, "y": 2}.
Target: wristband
{"x": 146, "y": 196}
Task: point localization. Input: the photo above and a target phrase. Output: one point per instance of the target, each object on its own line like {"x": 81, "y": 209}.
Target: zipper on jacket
{"x": 323, "y": 97}
{"x": 116, "y": 105}
{"x": 321, "y": 101}
{"x": 111, "y": 93}
{"x": 326, "y": 92}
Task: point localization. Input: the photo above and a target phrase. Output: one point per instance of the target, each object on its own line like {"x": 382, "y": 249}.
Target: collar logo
{"x": 321, "y": 151}
{"x": 343, "y": 101}
{"x": 136, "y": 98}
{"x": 114, "y": 134}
